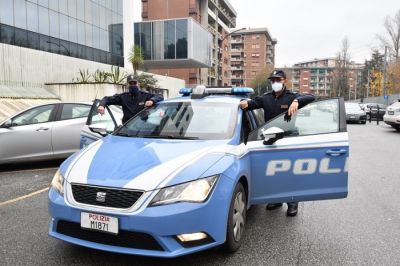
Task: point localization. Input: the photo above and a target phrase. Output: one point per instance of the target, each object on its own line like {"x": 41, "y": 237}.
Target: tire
{"x": 236, "y": 219}
{"x": 363, "y": 122}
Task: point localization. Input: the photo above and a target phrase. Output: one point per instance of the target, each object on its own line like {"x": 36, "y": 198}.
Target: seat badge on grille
{"x": 101, "y": 196}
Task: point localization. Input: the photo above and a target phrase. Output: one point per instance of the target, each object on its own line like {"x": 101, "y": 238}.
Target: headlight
{"x": 58, "y": 182}
{"x": 195, "y": 191}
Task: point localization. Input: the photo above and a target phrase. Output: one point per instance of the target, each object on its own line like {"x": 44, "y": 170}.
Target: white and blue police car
{"x": 179, "y": 177}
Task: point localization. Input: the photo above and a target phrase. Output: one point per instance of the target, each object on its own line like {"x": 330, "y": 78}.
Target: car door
{"x": 28, "y": 135}
{"x": 308, "y": 163}
{"x": 70, "y": 119}
{"x": 111, "y": 119}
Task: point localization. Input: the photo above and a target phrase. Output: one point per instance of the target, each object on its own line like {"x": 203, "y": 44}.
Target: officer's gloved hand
{"x": 287, "y": 117}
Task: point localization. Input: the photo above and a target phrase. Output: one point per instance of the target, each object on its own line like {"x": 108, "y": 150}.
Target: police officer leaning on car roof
{"x": 132, "y": 102}
{"x": 274, "y": 103}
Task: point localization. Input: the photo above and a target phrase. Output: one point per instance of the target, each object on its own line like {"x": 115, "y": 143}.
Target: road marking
{"x": 28, "y": 170}
{"x": 23, "y": 197}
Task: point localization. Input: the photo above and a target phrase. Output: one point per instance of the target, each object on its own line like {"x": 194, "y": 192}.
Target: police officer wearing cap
{"x": 132, "y": 102}
{"x": 274, "y": 103}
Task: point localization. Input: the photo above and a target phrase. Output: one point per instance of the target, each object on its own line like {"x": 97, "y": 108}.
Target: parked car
{"x": 178, "y": 178}
{"x": 392, "y": 115}
{"x": 371, "y": 109}
{"x": 354, "y": 113}
{"x": 49, "y": 131}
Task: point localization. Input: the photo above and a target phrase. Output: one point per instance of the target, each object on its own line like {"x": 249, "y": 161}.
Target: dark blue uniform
{"x": 275, "y": 106}
{"x": 131, "y": 103}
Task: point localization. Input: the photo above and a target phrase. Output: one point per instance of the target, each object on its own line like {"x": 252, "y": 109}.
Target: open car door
{"x": 96, "y": 123}
{"x": 302, "y": 157}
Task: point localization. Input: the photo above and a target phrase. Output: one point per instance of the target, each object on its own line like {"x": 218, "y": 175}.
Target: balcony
{"x": 237, "y": 40}
{"x": 237, "y": 77}
{"x": 234, "y": 59}
{"x": 212, "y": 30}
{"x": 239, "y": 68}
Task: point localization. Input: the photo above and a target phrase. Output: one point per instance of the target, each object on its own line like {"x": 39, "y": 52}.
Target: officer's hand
{"x": 243, "y": 104}
{"x": 148, "y": 103}
{"x": 100, "y": 110}
{"x": 293, "y": 108}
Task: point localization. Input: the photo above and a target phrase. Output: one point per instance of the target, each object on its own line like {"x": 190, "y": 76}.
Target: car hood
{"x": 355, "y": 112}
{"x": 140, "y": 163}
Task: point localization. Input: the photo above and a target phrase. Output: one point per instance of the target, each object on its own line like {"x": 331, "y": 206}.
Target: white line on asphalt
{"x": 23, "y": 197}
{"x": 28, "y": 170}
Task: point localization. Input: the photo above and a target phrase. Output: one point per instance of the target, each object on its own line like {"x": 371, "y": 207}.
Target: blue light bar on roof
{"x": 242, "y": 90}
{"x": 185, "y": 91}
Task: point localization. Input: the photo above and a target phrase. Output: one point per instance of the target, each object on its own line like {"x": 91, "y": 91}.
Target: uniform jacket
{"x": 131, "y": 103}
{"x": 275, "y": 106}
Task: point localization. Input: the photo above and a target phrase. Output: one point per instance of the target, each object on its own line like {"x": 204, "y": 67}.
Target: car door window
{"x": 315, "y": 118}
{"x": 34, "y": 116}
{"x": 71, "y": 111}
{"x": 106, "y": 118}
{"x": 259, "y": 116}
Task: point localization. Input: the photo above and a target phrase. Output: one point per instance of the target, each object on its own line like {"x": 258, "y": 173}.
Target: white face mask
{"x": 277, "y": 86}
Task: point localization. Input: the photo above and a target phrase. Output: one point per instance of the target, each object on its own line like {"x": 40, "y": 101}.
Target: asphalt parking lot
{"x": 363, "y": 229}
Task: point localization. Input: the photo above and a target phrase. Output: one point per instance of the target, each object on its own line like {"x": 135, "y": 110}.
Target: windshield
{"x": 191, "y": 120}
{"x": 352, "y": 106}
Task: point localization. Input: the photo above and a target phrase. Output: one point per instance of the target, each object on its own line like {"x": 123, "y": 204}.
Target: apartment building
{"x": 318, "y": 76}
{"x": 218, "y": 16}
{"x": 252, "y": 50}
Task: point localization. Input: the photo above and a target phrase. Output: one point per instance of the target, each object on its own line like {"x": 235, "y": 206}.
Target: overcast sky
{"x": 309, "y": 29}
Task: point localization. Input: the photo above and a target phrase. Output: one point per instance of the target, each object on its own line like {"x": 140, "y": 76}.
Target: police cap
{"x": 277, "y": 74}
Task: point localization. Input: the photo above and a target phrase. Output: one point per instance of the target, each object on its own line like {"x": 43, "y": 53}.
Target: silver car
{"x": 49, "y": 131}
{"x": 354, "y": 113}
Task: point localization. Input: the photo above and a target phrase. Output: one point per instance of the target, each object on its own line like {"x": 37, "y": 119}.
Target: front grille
{"x": 125, "y": 239}
{"x": 104, "y": 196}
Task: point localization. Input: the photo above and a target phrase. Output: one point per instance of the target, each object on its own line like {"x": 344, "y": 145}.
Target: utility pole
{"x": 385, "y": 96}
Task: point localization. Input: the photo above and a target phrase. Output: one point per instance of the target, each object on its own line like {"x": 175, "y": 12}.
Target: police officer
{"x": 274, "y": 103}
{"x": 132, "y": 102}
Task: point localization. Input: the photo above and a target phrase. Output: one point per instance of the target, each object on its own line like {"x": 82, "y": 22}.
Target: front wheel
{"x": 236, "y": 219}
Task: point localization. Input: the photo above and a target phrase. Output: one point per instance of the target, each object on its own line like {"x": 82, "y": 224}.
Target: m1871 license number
{"x": 99, "y": 222}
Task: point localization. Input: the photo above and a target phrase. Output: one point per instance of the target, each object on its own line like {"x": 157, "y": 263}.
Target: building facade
{"x": 90, "y": 30}
{"x": 318, "y": 77}
{"x": 218, "y": 16}
{"x": 252, "y": 50}
{"x": 50, "y": 41}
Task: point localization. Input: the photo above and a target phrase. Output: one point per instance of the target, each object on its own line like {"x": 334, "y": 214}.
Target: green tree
{"x": 147, "y": 81}
{"x": 136, "y": 58}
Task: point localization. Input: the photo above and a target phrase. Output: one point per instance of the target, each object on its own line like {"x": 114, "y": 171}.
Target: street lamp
{"x": 219, "y": 57}
{"x": 61, "y": 45}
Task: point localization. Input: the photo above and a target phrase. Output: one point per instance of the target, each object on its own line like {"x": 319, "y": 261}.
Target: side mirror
{"x": 272, "y": 134}
{"x": 99, "y": 128}
{"x": 7, "y": 124}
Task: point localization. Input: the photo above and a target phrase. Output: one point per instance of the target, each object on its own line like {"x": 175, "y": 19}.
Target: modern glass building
{"x": 86, "y": 29}
{"x": 180, "y": 43}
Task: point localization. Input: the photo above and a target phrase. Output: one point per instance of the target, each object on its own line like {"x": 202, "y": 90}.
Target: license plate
{"x": 390, "y": 112}
{"x": 99, "y": 222}
{"x": 352, "y": 116}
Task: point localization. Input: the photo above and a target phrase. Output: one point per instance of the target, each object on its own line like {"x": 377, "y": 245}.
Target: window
{"x": 43, "y": 20}
{"x": 181, "y": 38}
{"x": 71, "y": 111}
{"x": 34, "y": 116}
{"x": 319, "y": 117}
{"x": 255, "y": 64}
{"x": 255, "y": 55}
{"x": 6, "y": 12}
{"x": 20, "y": 14}
{"x": 32, "y": 17}
{"x": 7, "y": 34}
{"x": 169, "y": 35}
{"x": 255, "y": 46}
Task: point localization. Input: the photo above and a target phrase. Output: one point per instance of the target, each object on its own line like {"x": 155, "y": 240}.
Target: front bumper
{"x": 393, "y": 120}
{"x": 356, "y": 118}
{"x": 149, "y": 231}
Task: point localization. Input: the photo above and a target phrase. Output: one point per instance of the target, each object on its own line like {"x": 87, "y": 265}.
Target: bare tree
{"x": 392, "y": 37}
{"x": 340, "y": 75}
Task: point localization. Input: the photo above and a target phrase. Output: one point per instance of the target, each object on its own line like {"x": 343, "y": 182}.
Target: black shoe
{"x": 292, "y": 209}
{"x": 273, "y": 206}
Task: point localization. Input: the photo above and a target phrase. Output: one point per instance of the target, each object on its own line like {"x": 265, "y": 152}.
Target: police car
{"x": 178, "y": 178}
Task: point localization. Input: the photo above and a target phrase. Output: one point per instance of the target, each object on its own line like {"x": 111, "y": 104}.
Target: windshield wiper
{"x": 167, "y": 137}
